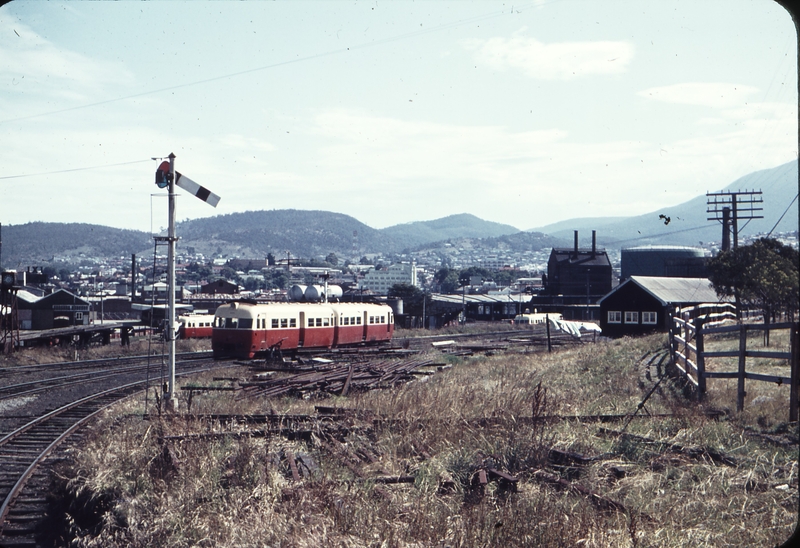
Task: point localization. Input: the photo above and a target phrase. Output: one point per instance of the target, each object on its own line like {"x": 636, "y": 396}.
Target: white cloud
{"x": 34, "y": 66}
{"x": 553, "y": 61}
{"x": 711, "y": 94}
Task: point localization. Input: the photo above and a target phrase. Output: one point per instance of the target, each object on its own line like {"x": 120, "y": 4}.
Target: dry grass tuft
{"x": 683, "y": 480}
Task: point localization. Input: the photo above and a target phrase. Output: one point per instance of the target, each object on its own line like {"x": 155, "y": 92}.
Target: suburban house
{"x": 641, "y": 304}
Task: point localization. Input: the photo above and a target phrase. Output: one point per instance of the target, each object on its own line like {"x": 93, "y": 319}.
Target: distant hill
{"x": 303, "y": 233}
{"x": 314, "y": 234}
{"x": 414, "y": 234}
{"x": 516, "y": 243}
{"x": 36, "y": 244}
{"x": 581, "y": 224}
{"x": 687, "y": 221}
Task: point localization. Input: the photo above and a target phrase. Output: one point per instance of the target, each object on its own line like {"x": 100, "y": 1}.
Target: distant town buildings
{"x": 380, "y": 281}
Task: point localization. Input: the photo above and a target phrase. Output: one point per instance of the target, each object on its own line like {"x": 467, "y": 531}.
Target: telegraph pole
{"x": 729, "y": 207}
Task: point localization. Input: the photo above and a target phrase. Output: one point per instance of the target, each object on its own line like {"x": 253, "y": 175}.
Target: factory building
{"x": 579, "y": 272}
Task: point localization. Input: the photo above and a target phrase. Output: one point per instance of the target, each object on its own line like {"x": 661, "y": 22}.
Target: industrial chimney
{"x": 576, "y": 245}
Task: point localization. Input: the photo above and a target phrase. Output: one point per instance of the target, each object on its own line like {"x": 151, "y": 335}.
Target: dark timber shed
{"x": 641, "y": 304}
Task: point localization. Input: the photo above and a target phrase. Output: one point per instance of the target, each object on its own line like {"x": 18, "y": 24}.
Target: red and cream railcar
{"x": 195, "y": 326}
{"x": 245, "y": 330}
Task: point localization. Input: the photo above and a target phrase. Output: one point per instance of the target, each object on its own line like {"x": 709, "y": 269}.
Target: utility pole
{"x": 730, "y": 207}
{"x": 171, "y": 398}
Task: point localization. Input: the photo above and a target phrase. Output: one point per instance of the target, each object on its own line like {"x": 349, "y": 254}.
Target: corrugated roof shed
{"x": 480, "y": 298}
{"x": 675, "y": 290}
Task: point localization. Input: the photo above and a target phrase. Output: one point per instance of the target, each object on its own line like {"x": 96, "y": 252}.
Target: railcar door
{"x": 302, "y": 332}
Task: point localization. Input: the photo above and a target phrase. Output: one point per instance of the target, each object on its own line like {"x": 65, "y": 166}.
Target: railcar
{"x": 246, "y": 330}
{"x": 195, "y": 326}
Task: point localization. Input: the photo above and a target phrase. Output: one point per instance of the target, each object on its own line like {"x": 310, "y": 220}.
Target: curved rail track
{"x": 92, "y": 371}
{"x": 23, "y": 482}
{"x": 23, "y": 450}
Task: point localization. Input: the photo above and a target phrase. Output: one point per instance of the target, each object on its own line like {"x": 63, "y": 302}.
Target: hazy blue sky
{"x": 522, "y": 113}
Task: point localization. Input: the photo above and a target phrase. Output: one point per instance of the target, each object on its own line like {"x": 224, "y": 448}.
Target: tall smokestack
{"x": 576, "y": 245}
{"x": 594, "y": 243}
{"x": 133, "y": 276}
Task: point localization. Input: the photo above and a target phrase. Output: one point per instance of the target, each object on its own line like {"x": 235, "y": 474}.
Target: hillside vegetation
{"x": 454, "y": 226}
{"x": 686, "y": 479}
{"x": 34, "y": 244}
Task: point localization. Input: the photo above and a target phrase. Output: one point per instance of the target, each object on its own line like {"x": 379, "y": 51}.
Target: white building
{"x": 380, "y": 281}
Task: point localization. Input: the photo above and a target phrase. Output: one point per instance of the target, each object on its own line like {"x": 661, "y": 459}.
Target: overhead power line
{"x": 437, "y": 28}
{"x": 74, "y": 169}
{"x": 782, "y": 214}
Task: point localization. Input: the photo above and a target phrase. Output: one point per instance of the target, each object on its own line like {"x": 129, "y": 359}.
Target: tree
{"x": 332, "y": 259}
{"x": 447, "y": 280}
{"x": 228, "y": 273}
{"x": 763, "y": 274}
{"x": 412, "y": 296}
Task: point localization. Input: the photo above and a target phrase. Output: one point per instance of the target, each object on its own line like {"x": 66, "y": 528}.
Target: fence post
{"x": 742, "y": 350}
{"x": 700, "y": 359}
{"x": 672, "y": 341}
{"x": 795, "y": 374}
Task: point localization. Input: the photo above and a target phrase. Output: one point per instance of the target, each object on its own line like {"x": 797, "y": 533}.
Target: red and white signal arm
{"x": 162, "y": 176}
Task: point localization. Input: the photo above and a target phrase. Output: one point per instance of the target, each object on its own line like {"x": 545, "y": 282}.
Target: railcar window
{"x": 345, "y": 321}
{"x": 352, "y": 321}
{"x": 274, "y": 323}
{"x": 231, "y": 323}
{"x": 292, "y": 322}
{"x": 358, "y": 320}
{"x": 284, "y": 323}
{"x": 319, "y": 322}
{"x": 246, "y": 323}
{"x": 325, "y": 322}
{"x": 372, "y": 319}
{"x": 383, "y": 319}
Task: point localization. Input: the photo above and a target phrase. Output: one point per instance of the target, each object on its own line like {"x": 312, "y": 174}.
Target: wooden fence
{"x": 689, "y": 328}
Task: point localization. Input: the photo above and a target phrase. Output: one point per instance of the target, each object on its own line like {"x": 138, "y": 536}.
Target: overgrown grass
{"x": 68, "y": 353}
{"x": 442, "y": 431}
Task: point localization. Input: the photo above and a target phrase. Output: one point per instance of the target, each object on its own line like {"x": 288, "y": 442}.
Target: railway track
{"x": 23, "y": 479}
{"x": 93, "y": 371}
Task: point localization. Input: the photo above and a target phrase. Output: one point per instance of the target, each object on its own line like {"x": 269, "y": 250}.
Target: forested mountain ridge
{"x": 315, "y": 234}
{"x": 38, "y": 243}
{"x": 303, "y": 233}
{"x": 463, "y": 225}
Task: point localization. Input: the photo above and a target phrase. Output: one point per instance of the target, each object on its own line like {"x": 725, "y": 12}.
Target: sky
{"x": 523, "y": 113}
